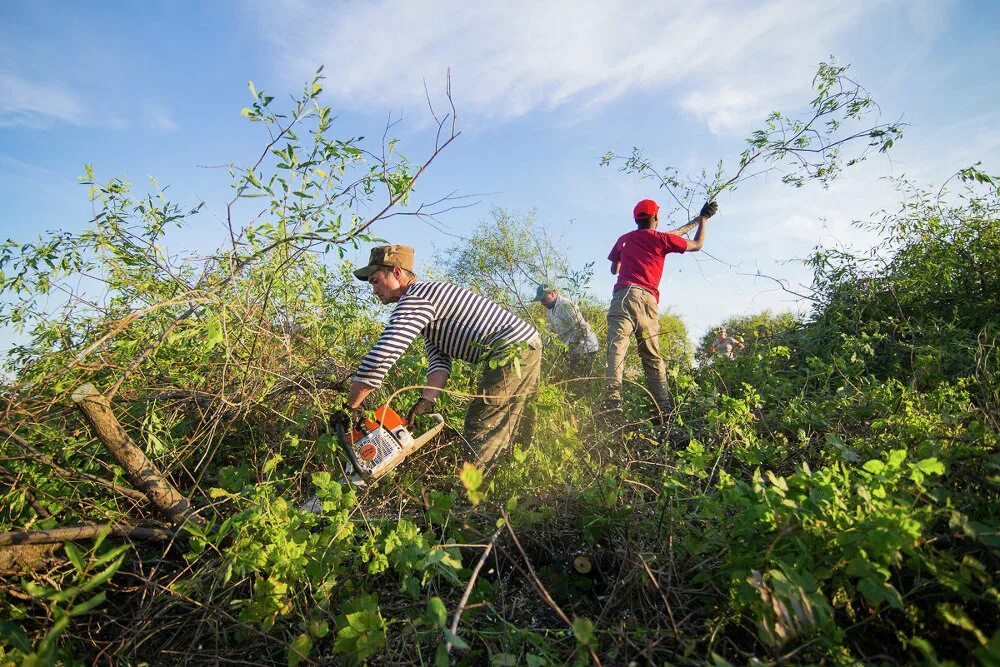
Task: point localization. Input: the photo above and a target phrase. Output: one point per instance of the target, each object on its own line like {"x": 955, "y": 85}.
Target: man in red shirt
{"x": 637, "y": 260}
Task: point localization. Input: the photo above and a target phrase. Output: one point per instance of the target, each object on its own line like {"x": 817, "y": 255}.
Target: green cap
{"x": 544, "y": 289}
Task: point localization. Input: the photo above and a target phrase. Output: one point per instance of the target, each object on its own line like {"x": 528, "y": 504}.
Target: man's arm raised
{"x": 707, "y": 211}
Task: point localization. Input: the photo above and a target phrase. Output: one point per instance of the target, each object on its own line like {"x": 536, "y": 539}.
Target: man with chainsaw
{"x": 637, "y": 259}
{"x": 455, "y": 323}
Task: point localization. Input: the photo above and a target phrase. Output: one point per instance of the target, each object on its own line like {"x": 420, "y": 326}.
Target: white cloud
{"x": 159, "y": 118}
{"x": 734, "y": 59}
{"x": 37, "y": 103}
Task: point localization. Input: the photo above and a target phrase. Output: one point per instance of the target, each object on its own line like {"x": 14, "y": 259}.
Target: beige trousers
{"x": 491, "y": 422}
{"x": 633, "y": 311}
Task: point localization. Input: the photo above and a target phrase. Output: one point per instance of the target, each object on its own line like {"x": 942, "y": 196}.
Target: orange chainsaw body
{"x": 379, "y": 445}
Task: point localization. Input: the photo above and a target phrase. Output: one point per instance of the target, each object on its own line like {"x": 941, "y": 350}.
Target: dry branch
{"x": 543, "y": 592}
{"x": 73, "y": 533}
{"x": 143, "y": 472}
{"x": 472, "y": 582}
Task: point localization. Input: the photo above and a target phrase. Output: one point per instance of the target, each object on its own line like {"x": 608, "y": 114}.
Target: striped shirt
{"x": 455, "y": 324}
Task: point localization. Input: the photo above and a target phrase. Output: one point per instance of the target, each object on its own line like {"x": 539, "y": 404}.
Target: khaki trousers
{"x": 491, "y": 422}
{"x": 633, "y": 311}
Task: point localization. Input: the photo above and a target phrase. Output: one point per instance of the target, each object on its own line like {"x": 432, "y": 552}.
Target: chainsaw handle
{"x": 346, "y": 446}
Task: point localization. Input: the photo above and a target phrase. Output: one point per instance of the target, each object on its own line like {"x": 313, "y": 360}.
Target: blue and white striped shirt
{"x": 455, "y": 324}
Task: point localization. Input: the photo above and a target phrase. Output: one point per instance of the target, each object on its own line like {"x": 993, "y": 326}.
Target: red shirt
{"x": 641, "y": 254}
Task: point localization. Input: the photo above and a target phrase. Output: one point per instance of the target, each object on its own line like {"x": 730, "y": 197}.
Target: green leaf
{"x": 583, "y": 630}
{"x": 441, "y": 657}
{"x": 930, "y": 466}
{"x": 896, "y": 458}
{"x": 109, "y": 555}
{"x": 272, "y": 462}
{"x": 319, "y": 629}
{"x": 471, "y": 476}
{"x": 103, "y": 575}
{"x": 253, "y": 91}
{"x": 87, "y": 605}
{"x": 15, "y": 635}
{"x": 472, "y": 479}
{"x": 74, "y": 555}
{"x": 455, "y": 640}
{"x": 874, "y": 466}
{"x": 437, "y": 613}
{"x": 877, "y": 592}
{"x": 57, "y": 629}
{"x": 101, "y": 536}
{"x": 36, "y": 590}
{"x": 503, "y": 660}
{"x": 213, "y": 334}
{"x": 65, "y": 594}
{"x": 989, "y": 655}
{"x": 299, "y": 649}
{"x": 955, "y": 615}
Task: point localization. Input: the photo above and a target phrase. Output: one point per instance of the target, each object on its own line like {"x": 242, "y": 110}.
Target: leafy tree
{"x": 810, "y": 148}
{"x": 507, "y": 257}
{"x": 750, "y": 329}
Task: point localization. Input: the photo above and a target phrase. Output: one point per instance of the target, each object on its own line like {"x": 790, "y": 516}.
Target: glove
{"x": 709, "y": 209}
{"x": 423, "y": 406}
{"x": 349, "y": 418}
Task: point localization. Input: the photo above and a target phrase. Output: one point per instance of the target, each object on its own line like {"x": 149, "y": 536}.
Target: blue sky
{"x": 543, "y": 89}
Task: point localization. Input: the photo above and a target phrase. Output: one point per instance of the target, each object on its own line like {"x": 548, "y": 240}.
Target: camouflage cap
{"x": 384, "y": 256}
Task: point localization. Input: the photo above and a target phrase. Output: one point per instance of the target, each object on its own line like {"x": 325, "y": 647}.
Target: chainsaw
{"x": 376, "y": 446}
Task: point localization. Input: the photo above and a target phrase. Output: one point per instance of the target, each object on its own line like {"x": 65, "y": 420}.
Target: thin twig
{"x": 670, "y": 611}
{"x": 472, "y": 582}
{"x": 540, "y": 588}
{"x": 38, "y": 456}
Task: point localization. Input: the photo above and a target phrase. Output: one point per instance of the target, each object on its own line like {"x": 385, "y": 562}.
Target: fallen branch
{"x": 46, "y": 460}
{"x": 73, "y": 533}
{"x": 143, "y": 472}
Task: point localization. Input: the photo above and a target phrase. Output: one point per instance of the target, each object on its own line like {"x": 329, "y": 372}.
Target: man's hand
{"x": 422, "y": 407}
{"x": 349, "y": 418}
{"x": 709, "y": 209}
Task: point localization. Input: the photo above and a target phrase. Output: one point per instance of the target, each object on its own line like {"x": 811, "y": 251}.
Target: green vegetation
{"x": 830, "y": 495}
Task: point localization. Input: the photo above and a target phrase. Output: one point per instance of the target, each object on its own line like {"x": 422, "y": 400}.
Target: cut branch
{"x": 73, "y": 533}
{"x": 143, "y": 472}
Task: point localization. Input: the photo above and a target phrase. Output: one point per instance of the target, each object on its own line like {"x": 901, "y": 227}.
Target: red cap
{"x": 647, "y": 208}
